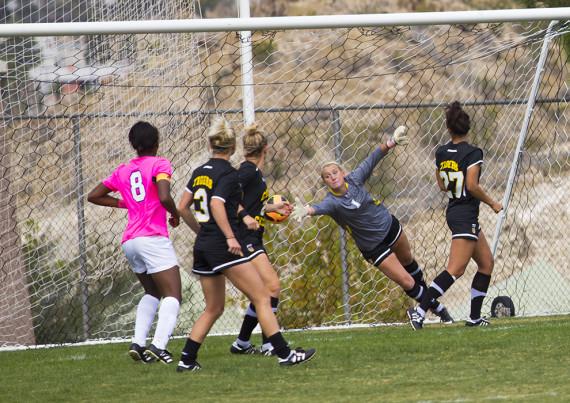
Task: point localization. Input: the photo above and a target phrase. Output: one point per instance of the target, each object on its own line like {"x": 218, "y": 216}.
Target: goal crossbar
{"x": 283, "y": 23}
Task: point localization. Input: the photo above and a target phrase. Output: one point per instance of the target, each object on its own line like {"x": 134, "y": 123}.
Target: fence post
{"x": 338, "y": 155}
{"x": 81, "y": 225}
{"x": 522, "y": 136}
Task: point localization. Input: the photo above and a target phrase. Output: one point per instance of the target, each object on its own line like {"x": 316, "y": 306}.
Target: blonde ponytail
{"x": 253, "y": 141}
{"x": 222, "y": 137}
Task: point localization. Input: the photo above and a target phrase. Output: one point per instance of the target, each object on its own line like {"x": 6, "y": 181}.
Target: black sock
{"x": 416, "y": 273}
{"x": 438, "y": 287}
{"x": 190, "y": 351}
{"x": 249, "y": 323}
{"x": 479, "y": 289}
{"x": 274, "y": 305}
{"x": 415, "y": 292}
{"x": 280, "y": 345}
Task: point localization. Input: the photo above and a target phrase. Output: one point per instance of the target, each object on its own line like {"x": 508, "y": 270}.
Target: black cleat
{"x": 444, "y": 316}
{"x": 188, "y": 366}
{"x": 416, "y": 320}
{"x": 298, "y": 356}
{"x": 481, "y": 322}
{"x": 136, "y": 352}
{"x": 237, "y": 349}
{"x": 156, "y": 354}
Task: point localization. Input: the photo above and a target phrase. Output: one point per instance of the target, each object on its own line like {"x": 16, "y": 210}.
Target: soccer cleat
{"x": 188, "y": 366}
{"x": 416, "y": 320}
{"x": 444, "y": 316}
{"x": 267, "y": 352}
{"x": 297, "y": 356}
{"x": 156, "y": 354}
{"x": 136, "y": 352}
{"x": 481, "y": 322}
{"x": 237, "y": 349}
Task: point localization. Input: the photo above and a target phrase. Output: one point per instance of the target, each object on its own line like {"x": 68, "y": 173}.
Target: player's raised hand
{"x": 399, "y": 137}
{"x": 301, "y": 211}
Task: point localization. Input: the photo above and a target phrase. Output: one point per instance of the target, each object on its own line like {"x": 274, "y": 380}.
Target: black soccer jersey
{"x": 215, "y": 179}
{"x": 453, "y": 161}
{"x": 254, "y": 190}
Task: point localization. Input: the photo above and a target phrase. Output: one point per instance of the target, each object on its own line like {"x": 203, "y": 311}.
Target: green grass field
{"x": 514, "y": 360}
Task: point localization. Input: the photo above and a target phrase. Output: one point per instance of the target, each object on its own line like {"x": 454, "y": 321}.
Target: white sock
{"x": 242, "y": 343}
{"x": 267, "y": 346}
{"x": 146, "y": 310}
{"x": 167, "y": 315}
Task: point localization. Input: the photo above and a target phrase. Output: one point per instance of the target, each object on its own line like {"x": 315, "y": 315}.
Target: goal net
{"x": 320, "y": 95}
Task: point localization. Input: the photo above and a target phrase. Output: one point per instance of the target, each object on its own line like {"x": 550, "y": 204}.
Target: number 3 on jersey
{"x": 201, "y": 210}
{"x": 137, "y": 188}
{"x": 456, "y": 181}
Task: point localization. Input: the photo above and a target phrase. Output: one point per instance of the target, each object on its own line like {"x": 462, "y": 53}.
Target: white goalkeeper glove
{"x": 398, "y": 138}
{"x": 301, "y": 211}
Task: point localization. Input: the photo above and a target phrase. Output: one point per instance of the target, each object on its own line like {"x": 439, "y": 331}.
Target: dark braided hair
{"x": 143, "y": 137}
{"x": 457, "y": 120}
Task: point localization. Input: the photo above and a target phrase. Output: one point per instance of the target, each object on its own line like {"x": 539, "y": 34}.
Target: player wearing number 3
{"x": 144, "y": 185}
{"x": 377, "y": 233}
{"x": 215, "y": 192}
{"x": 458, "y": 168}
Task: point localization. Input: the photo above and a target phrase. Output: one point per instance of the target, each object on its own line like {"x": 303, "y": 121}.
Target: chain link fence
{"x": 320, "y": 95}
{"x": 80, "y": 287}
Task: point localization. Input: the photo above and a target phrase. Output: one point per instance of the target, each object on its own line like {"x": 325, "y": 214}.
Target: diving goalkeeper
{"x": 377, "y": 233}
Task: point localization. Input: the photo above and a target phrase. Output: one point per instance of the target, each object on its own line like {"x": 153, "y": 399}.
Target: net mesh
{"x": 320, "y": 95}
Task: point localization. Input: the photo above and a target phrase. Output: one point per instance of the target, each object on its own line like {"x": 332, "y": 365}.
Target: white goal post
{"x": 285, "y": 23}
{"x": 321, "y": 88}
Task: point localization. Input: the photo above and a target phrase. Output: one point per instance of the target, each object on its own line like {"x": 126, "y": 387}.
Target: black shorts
{"x": 384, "y": 248}
{"x": 211, "y": 257}
{"x": 461, "y": 229}
{"x": 253, "y": 242}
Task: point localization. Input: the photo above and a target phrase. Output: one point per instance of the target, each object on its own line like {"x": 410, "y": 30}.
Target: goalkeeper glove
{"x": 300, "y": 211}
{"x": 398, "y": 138}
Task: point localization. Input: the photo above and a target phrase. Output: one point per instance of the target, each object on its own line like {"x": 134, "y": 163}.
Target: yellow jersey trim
{"x": 161, "y": 177}
{"x": 339, "y": 194}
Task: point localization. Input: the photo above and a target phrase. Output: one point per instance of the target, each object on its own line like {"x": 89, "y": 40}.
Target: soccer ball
{"x": 275, "y": 216}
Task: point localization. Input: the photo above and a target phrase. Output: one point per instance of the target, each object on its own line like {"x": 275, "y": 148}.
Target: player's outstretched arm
{"x": 399, "y": 138}
{"x": 301, "y": 211}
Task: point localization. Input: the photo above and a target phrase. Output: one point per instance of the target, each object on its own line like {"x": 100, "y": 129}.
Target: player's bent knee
{"x": 274, "y": 289}
{"x": 456, "y": 271}
{"x": 214, "y": 311}
{"x": 261, "y": 301}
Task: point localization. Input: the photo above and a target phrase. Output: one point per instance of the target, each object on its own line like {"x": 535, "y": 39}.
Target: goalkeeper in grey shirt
{"x": 376, "y": 232}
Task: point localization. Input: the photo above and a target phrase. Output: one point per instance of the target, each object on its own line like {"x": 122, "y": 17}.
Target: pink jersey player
{"x": 136, "y": 182}
{"x": 144, "y": 185}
